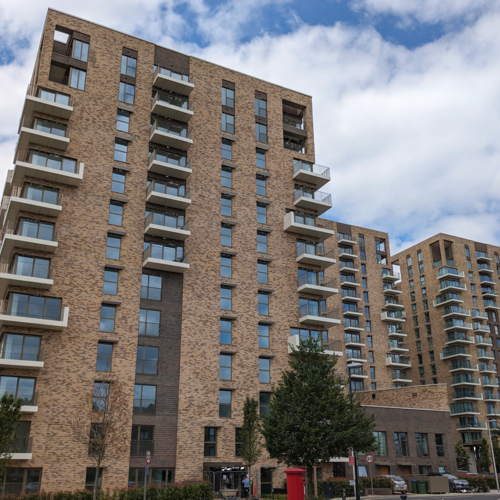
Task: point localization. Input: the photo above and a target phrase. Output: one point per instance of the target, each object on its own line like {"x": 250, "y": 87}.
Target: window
{"x": 424, "y": 292}
{"x": 428, "y": 329}
{"x": 417, "y": 333}
{"x": 365, "y": 282}
{"x": 226, "y": 298}
{"x": 411, "y": 285}
{"x": 225, "y": 329}
{"x": 77, "y": 78}
{"x": 467, "y": 252}
{"x": 227, "y": 177}
{"x": 20, "y": 387}
{"x": 261, "y": 185}
{"x": 431, "y": 355}
{"x": 410, "y": 273}
{"x": 104, "y": 355}
{"x": 228, "y": 123}
{"x": 261, "y": 132}
{"x": 408, "y": 261}
{"x": 369, "y": 341}
{"x": 55, "y": 162}
{"x": 372, "y": 372}
{"x": 419, "y": 345}
{"x": 427, "y": 317}
{"x": 264, "y": 402}
{"x": 260, "y": 158}
{"x": 261, "y": 242}
{"x": 363, "y": 268}
{"x": 266, "y": 480}
{"x": 401, "y": 443}
{"x": 100, "y": 397}
{"x": 37, "y": 267}
{"x": 265, "y": 370}
{"x": 471, "y": 276}
{"x": 121, "y": 148}
{"x": 149, "y": 322}
{"x": 474, "y": 300}
{"x": 80, "y": 50}
{"x": 129, "y": 66}
{"x": 421, "y": 268}
{"x": 34, "y": 306}
{"x": 426, "y": 306}
{"x": 225, "y": 367}
{"x": 115, "y": 213}
{"x": 263, "y": 304}
{"x": 20, "y": 347}
{"x": 469, "y": 264}
{"x": 226, "y": 206}
{"x": 227, "y": 149}
{"x": 108, "y": 314}
{"x": 110, "y": 286}
{"x": 210, "y": 448}
{"x": 225, "y": 404}
{"x": 228, "y": 97}
{"x": 424, "y": 469}
{"x": 412, "y": 296}
{"x": 260, "y": 107}
{"x": 421, "y": 371}
{"x": 126, "y": 93}
{"x": 261, "y": 213}
{"x": 36, "y": 229}
{"x": 151, "y": 287}
{"x": 225, "y": 266}
{"x": 415, "y": 320}
{"x": 262, "y": 272}
{"x": 422, "y": 280}
{"x": 370, "y": 357}
{"x": 433, "y": 370}
{"x": 367, "y": 311}
{"x": 147, "y": 360}
{"x": 414, "y": 308}
{"x": 123, "y": 120}
{"x": 142, "y": 440}
{"x": 361, "y": 241}
{"x": 226, "y": 235}
{"x": 381, "y": 444}
{"x": 362, "y": 255}
{"x": 118, "y": 181}
{"x": 368, "y": 327}
{"x": 264, "y": 336}
{"x": 365, "y": 297}
{"x": 374, "y": 386}
{"x": 144, "y": 399}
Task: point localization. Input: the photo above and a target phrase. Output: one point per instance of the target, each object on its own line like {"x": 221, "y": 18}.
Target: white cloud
{"x": 411, "y": 136}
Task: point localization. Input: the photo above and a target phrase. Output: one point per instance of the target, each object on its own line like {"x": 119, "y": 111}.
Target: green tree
{"x": 311, "y": 416}
{"x": 461, "y": 456}
{"x": 496, "y": 448}
{"x": 10, "y": 412}
{"x": 250, "y": 436}
{"x": 484, "y": 456}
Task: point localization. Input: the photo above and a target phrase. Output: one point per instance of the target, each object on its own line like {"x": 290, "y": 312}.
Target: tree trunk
{"x": 315, "y": 479}
{"x": 96, "y": 481}
{"x": 309, "y": 483}
{"x": 250, "y": 492}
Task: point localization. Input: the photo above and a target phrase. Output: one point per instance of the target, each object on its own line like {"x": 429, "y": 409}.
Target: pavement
{"x": 492, "y": 495}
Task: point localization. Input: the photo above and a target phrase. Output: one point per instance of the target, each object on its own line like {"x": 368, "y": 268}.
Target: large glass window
{"x": 261, "y": 185}
{"x": 19, "y": 347}
{"x": 226, "y": 298}
{"x": 145, "y": 399}
{"x": 147, "y": 360}
{"x": 34, "y": 306}
{"x": 20, "y": 387}
{"x": 225, "y": 369}
{"x": 80, "y": 50}
{"x": 36, "y": 229}
{"x": 260, "y": 158}
{"x": 123, "y": 120}
{"x": 118, "y": 181}
{"x": 421, "y": 443}
{"x": 226, "y": 328}
{"x": 44, "y": 194}
{"x": 115, "y": 213}
{"x": 55, "y": 162}
{"x": 113, "y": 245}
{"x": 210, "y": 448}
{"x": 108, "y": 314}
{"x": 225, "y": 404}
{"x": 225, "y": 266}
{"x": 264, "y": 336}
{"x": 401, "y": 443}
{"x": 439, "y": 445}
{"x": 262, "y": 213}
{"x": 31, "y": 266}
{"x": 142, "y": 440}
{"x": 266, "y": 480}
{"x": 126, "y": 93}
{"x": 265, "y": 370}
{"x": 227, "y": 149}
{"x": 104, "y": 357}
{"x": 77, "y": 78}
{"x": 262, "y": 272}
{"x": 151, "y": 287}
{"x": 226, "y": 207}
{"x": 381, "y": 448}
{"x": 227, "y": 177}
{"x": 149, "y": 322}
{"x": 129, "y": 66}
{"x": 228, "y": 123}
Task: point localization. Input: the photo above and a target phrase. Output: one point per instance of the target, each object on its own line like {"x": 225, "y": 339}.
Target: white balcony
{"x": 458, "y": 326}
{"x": 486, "y": 355}
{"x": 159, "y": 166}
{"x": 29, "y": 135}
{"x": 173, "y": 266}
{"x": 397, "y": 334}
{"x": 312, "y": 316}
{"x": 487, "y": 369}
{"x": 349, "y": 312}
{"x": 353, "y": 328}
{"x": 393, "y": 305}
{"x": 168, "y": 137}
{"x": 346, "y": 268}
{"x": 397, "y": 362}
{"x": 38, "y": 323}
{"x": 175, "y": 233}
{"x": 48, "y": 102}
{"x": 294, "y": 341}
{"x": 20, "y": 204}
{"x": 24, "y": 364}
{"x": 465, "y": 368}
{"x": 357, "y": 373}
{"x": 466, "y": 381}
{"x": 167, "y": 80}
{"x": 455, "y": 312}
{"x": 483, "y": 257}
{"x": 320, "y": 202}
{"x": 459, "y": 339}
{"x": 489, "y": 383}
{"x": 11, "y": 241}
{"x": 448, "y": 300}
{"x": 304, "y": 229}
{"x": 343, "y": 254}
{"x": 352, "y": 358}
{"x": 345, "y": 239}
{"x": 163, "y": 105}
{"x": 352, "y": 341}
{"x": 390, "y": 277}
{"x": 402, "y": 378}
{"x": 463, "y": 397}
{"x": 316, "y": 175}
{"x": 492, "y": 305}
{"x": 398, "y": 347}
{"x": 392, "y": 291}
{"x": 24, "y": 169}
{"x": 324, "y": 290}
{"x": 347, "y": 297}
{"x": 161, "y": 194}
{"x": 445, "y": 273}
{"x": 322, "y": 261}
{"x": 8, "y": 278}
{"x": 486, "y": 280}
{"x": 482, "y": 342}
{"x": 393, "y": 317}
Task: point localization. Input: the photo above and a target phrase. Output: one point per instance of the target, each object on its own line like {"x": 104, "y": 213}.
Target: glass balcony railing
{"x": 464, "y": 378}
{"x": 171, "y": 128}
{"x": 49, "y": 127}
{"x": 486, "y": 278}
{"x": 349, "y": 293}
{"x": 310, "y": 278}
{"x": 467, "y": 393}
{"x": 168, "y": 157}
{"x": 166, "y": 220}
{"x": 455, "y": 336}
{"x": 172, "y": 100}
{"x": 313, "y": 310}
{"x": 168, "y": 188}
{"x": 51, "y": 161}
{"x": 316, "y": 195}
{"x": 174, "y": 74}
{"x": 396, "y": 358}
{"x": 310, "y": 167}
{"x": 388, "y": 272}
{"x": 454, "y": 351}
{"x": 455, "y": 309}
{"x": 484, "y": 267}
{"x": 312, "y": 249}
{"x": 350, "y": 338}
{"x": 448, "y": 270}
{"x": 462, "y": 364}
{"x": 445, "y": 297}
{"x": 33, "y": 306}
{"x": 482, "y": 255}
{"x": 165, "y": 252}
{"x": 394, "y": 314}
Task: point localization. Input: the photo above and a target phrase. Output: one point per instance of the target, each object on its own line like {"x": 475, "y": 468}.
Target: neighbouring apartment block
{"x": 162, "y": 225}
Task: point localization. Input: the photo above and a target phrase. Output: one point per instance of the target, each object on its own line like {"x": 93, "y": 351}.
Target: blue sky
{"x": 406, "y": 93}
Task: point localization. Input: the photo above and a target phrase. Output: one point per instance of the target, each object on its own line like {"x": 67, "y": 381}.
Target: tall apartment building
{"x": 450, "y": 289}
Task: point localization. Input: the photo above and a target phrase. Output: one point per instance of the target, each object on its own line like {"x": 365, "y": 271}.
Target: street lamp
{"x": 356, "y": 487}
{"x": 493, "y": 452}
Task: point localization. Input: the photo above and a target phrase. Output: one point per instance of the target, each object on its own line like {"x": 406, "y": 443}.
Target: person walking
{"x": 246, "y": 485}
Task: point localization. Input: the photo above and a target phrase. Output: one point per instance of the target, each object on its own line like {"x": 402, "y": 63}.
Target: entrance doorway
{"x": 384, "y": 470}
{"x": 227, "y": 481}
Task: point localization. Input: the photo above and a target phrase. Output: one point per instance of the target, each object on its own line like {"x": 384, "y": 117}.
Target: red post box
{"x": 295, "y": 484}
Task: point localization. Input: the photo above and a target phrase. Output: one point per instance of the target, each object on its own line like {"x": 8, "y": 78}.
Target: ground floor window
{"x": 424, "y": 469}
{"x": 158, "y": 477}
{"x": 90, "y": 479}
{"x": 266, "y": 481}
{"x": 17, "y": 481}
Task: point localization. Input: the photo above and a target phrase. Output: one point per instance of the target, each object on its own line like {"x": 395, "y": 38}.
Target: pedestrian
{"x": 246, "y": 485}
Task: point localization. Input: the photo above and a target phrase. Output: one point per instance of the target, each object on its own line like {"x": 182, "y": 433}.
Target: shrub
{"x": 481, "y": 483}
{"x": 378, "y": 482}
{"x": 341, "y": 483}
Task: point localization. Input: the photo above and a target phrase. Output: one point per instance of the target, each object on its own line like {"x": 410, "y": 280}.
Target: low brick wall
{"x": 378, "y": 491}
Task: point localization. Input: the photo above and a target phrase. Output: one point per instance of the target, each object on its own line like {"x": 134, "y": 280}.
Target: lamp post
{"x": 493, "y": 452}
{"x": 356, "y": 486}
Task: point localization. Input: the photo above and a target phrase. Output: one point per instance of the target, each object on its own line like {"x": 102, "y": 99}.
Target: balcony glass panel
{"x": 35, "y": 267}
{"x": 36, "y": 229}
{"x": 172, "y": 99}
{"x": 169, "y": 188}
{"x": 20, "y": 347}
{"x": 166, "y": 219}
{"x": 50, "y": 127}
{"x": 166, "y": 157}
{"x": 53, "y": 161}
{"x": 165, "y": 252}
{"x": 20, "y": 387}
{"x": 34, "y": 306}
{"x": 171, "y": 128}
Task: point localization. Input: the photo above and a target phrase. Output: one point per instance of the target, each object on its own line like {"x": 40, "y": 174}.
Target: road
{"x": 449, "y": 496}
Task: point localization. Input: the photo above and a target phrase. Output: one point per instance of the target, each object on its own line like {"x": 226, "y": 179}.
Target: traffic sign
{"x": 369, "y": 459}
{"x": 148, "y": 457}
{"x": 351, "y": 460}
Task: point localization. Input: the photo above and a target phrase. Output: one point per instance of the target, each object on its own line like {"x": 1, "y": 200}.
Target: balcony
{"x": 354, "y": 356}
{"x": 454, "y": 352}
{"x": 490, "y": 304}
{"x": 393, "y": 316}
{"x": 459, "y": 338}
{"x": 316, "y": 175}
{"x": 488, "y": 292}
{"x": 171, "y": 134}
{"x": 456, "y": 311}
{"x": 464, "y": 394}
{"x": 486, "y": 368}
{"x": 26, "y": 241}
{"x": 438, "y": 263}
{"x": 349, "y": 294}
{"x": 489, "y": 383}
{"x": 318, "y": 201}
{"x": 486, "y": 279}
{"x": 332, "y": 349}
{"x": 347, "y": 253}
{"x": 43, "y": 132}
{"x": 395, "y": 346}
{"x": 345, "y": 239}
{"x": 483, "y": 342}
{"x": 169, "y": 80}
{"x": 165, "y": 258}
{"x": 449, "y": 272}
{"x": 389, "y": 289}
{"x": 353, "y": 340}
{"x": 484, "y": 268}
{"x": 14, "y": 274}
{"x": 479, "y": 316}
{"x": 401, "y": 376}
{"x": 357, "y": 373}
{"x": 307, "y": 225}
{"x": 172, "y": 106}
{"x": 493, "y": 412}
{"x": 451, "y": 286}
{"x": 390, "y": 276}
{"x": 23, "y": 361}
{"x": 48, "y": 102}
{"x": 349, "y": 279}
{"x": 324, "y": 289}
{"x": 308, "y": 254}
{"x": 166, "y": 226}
{"x": 172, "y": 165}
{"x": 471, "y": 426}
{"x": 168, "y": 194}
{"x": 33, "y": 311}
{"x": 347, "y": 266}
{"x": 447, "y": 298}
{"x": 464, "y": 379}
{"x": 311, "y": 315}
{"x": 349, "y": 309}
{"x": 463, "y": 365}
{"x": 457, "y": 409}
{"x": 396, "y": 333}
{"x": 482, "y": 354}
{"x": 482, "y": 256}
{"x": 351, "y": 324}
{"x": 479, "y": 328}
{"x": 391, "y": 303}
{"x": 491, "y": 396}
{"x": 395, "y": 360}
{"x": 23, "y": 446}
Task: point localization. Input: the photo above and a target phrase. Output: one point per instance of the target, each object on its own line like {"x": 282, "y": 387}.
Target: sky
{"x": 406, "y": 93}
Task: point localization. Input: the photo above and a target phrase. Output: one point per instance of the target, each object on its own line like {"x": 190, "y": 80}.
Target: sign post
{"x": 369, "y": 460}
{"x": 146, "y": 471}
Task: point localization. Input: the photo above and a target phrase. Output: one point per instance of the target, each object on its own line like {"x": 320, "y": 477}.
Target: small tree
{"x": 101, "y": 422}
{"x": 311, "y": 416}
{"x": 10, "y": 412}
{"x": 461, "y": 456}
{"x": 484, "y": 456}
{"x": 250, "y": 437}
